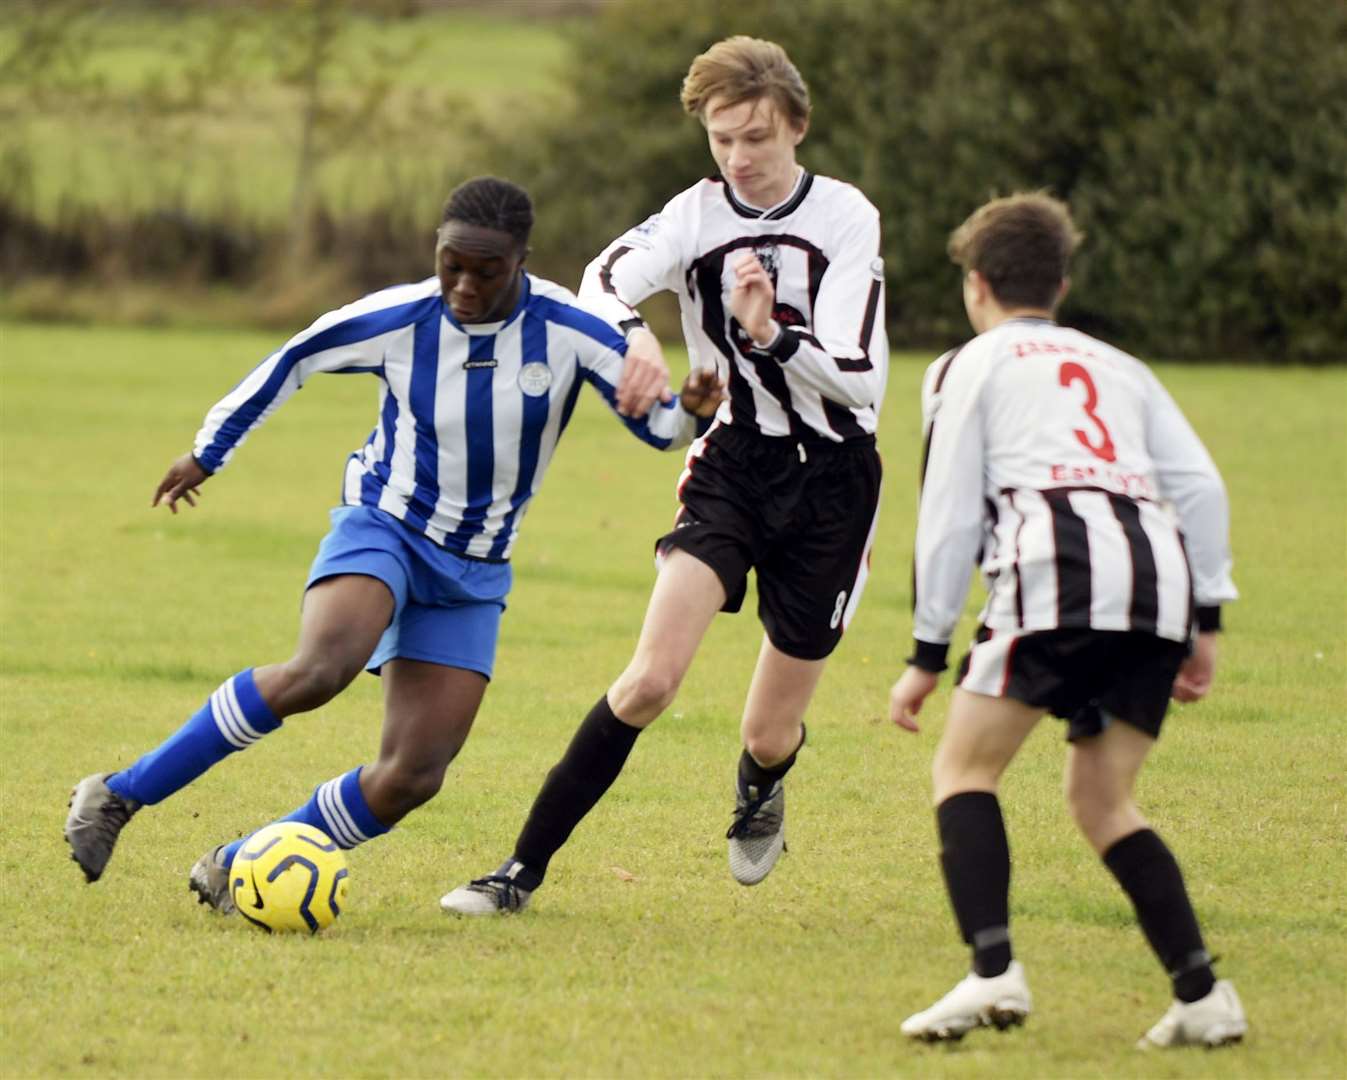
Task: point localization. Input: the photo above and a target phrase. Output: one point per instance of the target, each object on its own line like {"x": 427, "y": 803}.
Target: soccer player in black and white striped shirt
{"x": 779, "y": 280}
{"x": 1063, "y": 466}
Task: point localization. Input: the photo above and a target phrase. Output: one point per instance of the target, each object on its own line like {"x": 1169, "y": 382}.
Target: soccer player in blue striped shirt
{"x": 479, "y": 368}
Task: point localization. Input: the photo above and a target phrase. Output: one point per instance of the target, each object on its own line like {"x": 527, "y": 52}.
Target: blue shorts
{"x": 447, "y": 608}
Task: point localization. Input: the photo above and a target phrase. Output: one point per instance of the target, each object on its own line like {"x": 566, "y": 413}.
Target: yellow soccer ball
{"x": 289, "y": 876}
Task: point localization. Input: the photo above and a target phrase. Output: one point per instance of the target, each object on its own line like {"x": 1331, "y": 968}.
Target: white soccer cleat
{"x": 758, "y": 836}
{"x": 1001, "y": 1002}
{"x": 495, "y": 894}
{"x": 1215, "y": 1020}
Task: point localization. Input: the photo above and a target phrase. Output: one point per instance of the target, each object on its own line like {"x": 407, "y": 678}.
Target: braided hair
{"x": 492, "y": 203}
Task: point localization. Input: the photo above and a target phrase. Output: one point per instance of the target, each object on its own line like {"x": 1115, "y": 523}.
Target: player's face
{"x": 754, "y": 147}
{"x": 478, "y": 270}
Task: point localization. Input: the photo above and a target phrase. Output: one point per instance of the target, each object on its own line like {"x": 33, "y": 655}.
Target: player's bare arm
{"x": 182, "y": 481}
{"x": 702, "y": 393}
{"x": 645, "y": 375}
{"x": 908, "y": 695}
{"x": 751, "y": 299}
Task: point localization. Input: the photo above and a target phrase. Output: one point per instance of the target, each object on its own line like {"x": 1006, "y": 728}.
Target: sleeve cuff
{"x": 781, "y": 348}
{"x": 929, "y": 655}
{"x": 1209, "y": 619}
{"x": 205, "y": 467}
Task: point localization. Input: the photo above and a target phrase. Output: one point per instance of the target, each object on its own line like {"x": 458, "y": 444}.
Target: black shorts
{"x": 802, "y": 514}
{"x": 1078, "y": 675}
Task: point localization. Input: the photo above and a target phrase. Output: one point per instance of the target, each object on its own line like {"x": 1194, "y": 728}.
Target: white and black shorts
{"x": 801, "y": 514}
{"x": 1078, "y": 675}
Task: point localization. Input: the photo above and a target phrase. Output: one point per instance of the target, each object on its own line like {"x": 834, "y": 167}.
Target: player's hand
{"x": 752, "y": 298}
{"x": 645, "y": 375}
{"x": 703, "y": 391}
{"x": 911, "y": 690}
{"x": 1195, "y": 677}
{"x": 182, "y": 481}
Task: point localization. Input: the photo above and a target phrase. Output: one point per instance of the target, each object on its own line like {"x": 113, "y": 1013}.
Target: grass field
{"x": 641, "y": 957}
{"x": 201, "y": 110}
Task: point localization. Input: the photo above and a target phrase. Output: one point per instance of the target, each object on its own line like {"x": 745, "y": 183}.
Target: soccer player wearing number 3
{"x": 1101, "y": 525}
{"x": 478, "y": 370}
{"x": 780, "y": 284}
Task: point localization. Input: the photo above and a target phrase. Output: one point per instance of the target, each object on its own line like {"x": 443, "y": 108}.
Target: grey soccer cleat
{"x": 758, "y": 836}
{"x": 495, "y": 894}
{"x": 209, "y": 879}
{"x": 97, "y": 815}
{"x": 1215, "y": 1020}
{"x": 1000, "y": 1001}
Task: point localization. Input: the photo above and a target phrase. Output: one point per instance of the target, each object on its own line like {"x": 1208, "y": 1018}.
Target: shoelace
{"x": 112, "y": 817}
{"x": 748, "y": 821}
{"x": 501, "y": 889}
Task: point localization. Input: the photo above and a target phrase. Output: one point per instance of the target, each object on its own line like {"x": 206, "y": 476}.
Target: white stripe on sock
{"x": 250, "y": 733}
{"x": 219, "y": 710}
{"x": 331, "y": 816}
{"x": 335, "y": 827}
{"x": 347, "y": 819}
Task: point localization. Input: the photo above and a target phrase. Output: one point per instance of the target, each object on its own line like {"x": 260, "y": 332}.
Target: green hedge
{"x": 1201, "y": 143}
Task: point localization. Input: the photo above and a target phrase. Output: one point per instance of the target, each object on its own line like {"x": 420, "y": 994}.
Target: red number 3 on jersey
{"x": 1072, "y": 372}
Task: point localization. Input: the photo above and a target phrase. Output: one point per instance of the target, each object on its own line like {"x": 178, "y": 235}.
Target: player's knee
{"x": 1091, "y": 803}
{"x": 312, "y": 681}
{"x": 646, "y": 692}
{"x": 405, "y": 785}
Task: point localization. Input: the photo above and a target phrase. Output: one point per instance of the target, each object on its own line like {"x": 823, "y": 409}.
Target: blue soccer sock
{"x": 338, "y": 808}
{"x": 234, "y": 718}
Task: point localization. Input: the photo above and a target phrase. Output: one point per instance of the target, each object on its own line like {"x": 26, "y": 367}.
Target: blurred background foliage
{"x": 264, "y": 161}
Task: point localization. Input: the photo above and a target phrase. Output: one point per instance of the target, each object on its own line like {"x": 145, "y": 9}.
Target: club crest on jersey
{"x": 534, "y": 379}
{"x": 770, "y": 257}
{"x": 640, "y": 235}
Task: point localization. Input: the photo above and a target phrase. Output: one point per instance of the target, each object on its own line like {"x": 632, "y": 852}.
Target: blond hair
{"x": 1021, "y": 244}
{"x": 741, "y": 69}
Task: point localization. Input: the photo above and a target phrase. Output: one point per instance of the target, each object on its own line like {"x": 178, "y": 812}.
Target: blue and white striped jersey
{"x": 469, "y": 415}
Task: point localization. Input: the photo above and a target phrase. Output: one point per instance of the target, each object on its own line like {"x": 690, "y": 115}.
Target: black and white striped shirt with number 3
{"x": 1065, "y": 468}
{"x": 824, "y": 377}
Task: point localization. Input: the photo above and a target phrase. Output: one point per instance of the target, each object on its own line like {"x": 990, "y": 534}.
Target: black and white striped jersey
{"x": 1065, "y": 468}
{"x": 825, "y": 375}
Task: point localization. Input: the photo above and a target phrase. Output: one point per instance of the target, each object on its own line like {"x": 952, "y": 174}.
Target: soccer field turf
{"x": 641, "y": 956}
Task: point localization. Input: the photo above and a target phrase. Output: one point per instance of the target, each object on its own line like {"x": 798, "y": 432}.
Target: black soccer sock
{"x": 1150, "y": 875}
{"x": 595, "y": 757}
{"x": 975, "y": 858}
{"x": 762, "y": 776}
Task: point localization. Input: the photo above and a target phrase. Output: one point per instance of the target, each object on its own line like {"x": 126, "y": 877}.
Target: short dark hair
{"x": 492, "y": 203}
{"x": 1022, "y": 244}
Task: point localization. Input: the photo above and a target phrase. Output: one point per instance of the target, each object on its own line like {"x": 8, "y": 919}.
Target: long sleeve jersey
{"x": 469, "y": 415}
{"x": 1065, "y": 468}
{"x": 824, "y": 376}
